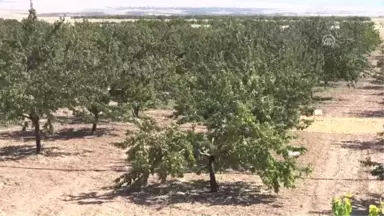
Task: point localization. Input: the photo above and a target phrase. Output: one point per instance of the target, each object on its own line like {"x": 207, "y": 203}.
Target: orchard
{"x": 246, "y": 80}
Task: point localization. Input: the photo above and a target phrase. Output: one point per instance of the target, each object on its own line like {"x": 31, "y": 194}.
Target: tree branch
{"x": 204, "y": 153}
{"x": 25, "y": 116}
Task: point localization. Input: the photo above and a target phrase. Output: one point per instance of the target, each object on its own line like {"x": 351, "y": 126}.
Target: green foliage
{"x": 376, "y": 210}
{"x": 34, "y": 78}
{"x": 145, "y": 64}
{"x": 172, "y": 152}
{"x": 96, "y": 54}
{"x": 379, "y": 74}
{"x": 246, "y": 80}
{"x": 154, "y": 150}
{"x": 342, "y": 206}
{"x": 204, "y": 18}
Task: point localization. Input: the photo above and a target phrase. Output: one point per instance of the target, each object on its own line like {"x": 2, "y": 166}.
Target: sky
{"x": 47, "y": 6}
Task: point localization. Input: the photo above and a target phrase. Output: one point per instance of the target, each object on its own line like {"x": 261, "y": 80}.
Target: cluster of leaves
{"x": 245, "y": 80}
{"x": 205, "y": 17}
{"x": 343, "y": 207}
{"x": 34, "y": 75}
{"x": 82, "y": 67}
{"x": 169, "y": 150}
{"x": 376, "y": 210}
{"x": 379, "y": 75}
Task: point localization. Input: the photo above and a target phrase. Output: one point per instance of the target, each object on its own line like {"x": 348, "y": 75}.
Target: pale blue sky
{"x": 44, "y": 6}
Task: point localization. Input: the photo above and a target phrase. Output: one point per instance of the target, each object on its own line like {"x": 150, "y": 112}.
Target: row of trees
{"x": 246, "y": 81}
{"x": 207, "y": 18}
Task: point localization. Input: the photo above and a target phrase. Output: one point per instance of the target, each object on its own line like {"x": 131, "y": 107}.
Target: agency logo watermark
{"x": 328, "y": 40}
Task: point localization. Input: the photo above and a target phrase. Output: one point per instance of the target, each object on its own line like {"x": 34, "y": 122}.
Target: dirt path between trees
{"x": 336, "y": 143}
{"x": 74, "y": 174}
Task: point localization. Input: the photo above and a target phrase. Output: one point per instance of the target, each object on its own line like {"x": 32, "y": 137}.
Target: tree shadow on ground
{"x": 338, "y": 179}
{"x": 319, "y": 98}
{"x": 377, "y": 81}
{"x": 372, "y": 87}
{"x": 69, "y": 120}
{"x": 73, "y": 120}
{"x": 15, "y": 153}
{"x": 63, "y": 134}
{"x": 379, "y": 94}
{"x": 368, "y": 113}
{"x": 330, "y": 85}
{"x": 375, "y": 145}
{"x": 360, "y": 206}
{"x": 380, "y": 61}
{"x": 109, "y": 169}
{"x": 321, "y": 212}
{"x": 174, "y": 192}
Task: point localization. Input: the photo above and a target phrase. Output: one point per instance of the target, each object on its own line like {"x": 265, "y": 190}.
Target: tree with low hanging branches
{"x": 246, "y": 83}
{"x": 35, "y": 77}
{"x": 97, "y": 61}
{"x": 225, "y": 86}
{"x": 145, "y": 65}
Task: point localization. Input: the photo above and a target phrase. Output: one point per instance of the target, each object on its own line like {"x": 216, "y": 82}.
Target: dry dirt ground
{"x": 75, "y": 172}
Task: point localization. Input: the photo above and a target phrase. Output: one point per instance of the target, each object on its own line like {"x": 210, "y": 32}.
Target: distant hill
{"x": 153, "y": 11}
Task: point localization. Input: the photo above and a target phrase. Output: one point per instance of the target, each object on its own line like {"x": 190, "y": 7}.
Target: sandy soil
{"x": 74, "y": 175}
{"x": 379, "y": 25}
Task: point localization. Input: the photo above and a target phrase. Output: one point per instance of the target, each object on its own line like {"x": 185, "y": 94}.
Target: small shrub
{"x": 376, "y": 210}
{"x": 342, "y": 206}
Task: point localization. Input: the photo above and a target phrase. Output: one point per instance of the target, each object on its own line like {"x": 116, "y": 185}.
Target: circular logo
{"x": 328, "y": 40}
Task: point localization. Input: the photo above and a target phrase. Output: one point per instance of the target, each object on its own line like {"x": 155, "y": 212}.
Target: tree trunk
{"x": 36, "y": 124}
{"x": 25, "y": 125}
{"x": 94, "y": 127}
{"x": 311, "y": 94}
{"x": 95, "y": 121}
{"x": 212, "y": 178}
{"x": 136, "y": 109}
{"x": 48, "y": 126}
{"x": 326, "y": 82}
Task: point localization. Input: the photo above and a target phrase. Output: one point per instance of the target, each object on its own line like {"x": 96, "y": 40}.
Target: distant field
{"x": 379, "y": 25}
{"x": 246, "y": 74}
{"x": 18, "y": 15}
